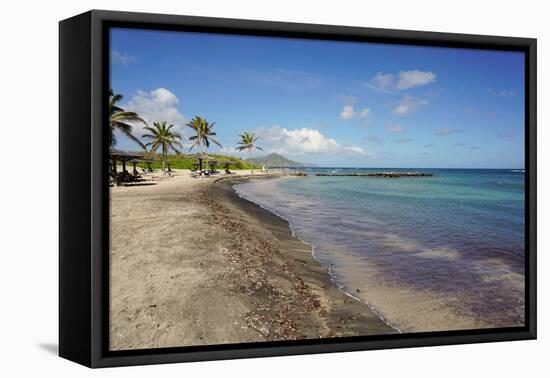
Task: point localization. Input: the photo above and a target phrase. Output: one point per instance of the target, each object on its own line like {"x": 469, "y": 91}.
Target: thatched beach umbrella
{"x": 203, "y": 158}
{"x": 134, "y": 162}
{"x": 123, "y": 156}
{"x": 148, "y": 162}
{"x": 200, "y": 159}
{"x": 205, "y": 161}
{"x": 225, "y": 163}
{"x": 168, "y": 164}
{"x": 212, "y": 163}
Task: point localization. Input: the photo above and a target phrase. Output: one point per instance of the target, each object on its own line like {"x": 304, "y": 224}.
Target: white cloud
{"x": 364, "y": 113}
{"x": 501, "y": 93}
{"x": 383, "y": 82}
{"x": 122, "y": 58}
{"x": 415, "y": 78}
{"x": 303, "y": 141}
{"x": 156, "y": 106}
{"x": 395, "y": 129}
{"x": 409, "y": 104}
{"x": 348, "y": 112}
{"x": 403, "y": 80}
{"x": 232, "y": 151}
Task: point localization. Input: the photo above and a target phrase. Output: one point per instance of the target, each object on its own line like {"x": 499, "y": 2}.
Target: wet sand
{"x": 191, "y": 263}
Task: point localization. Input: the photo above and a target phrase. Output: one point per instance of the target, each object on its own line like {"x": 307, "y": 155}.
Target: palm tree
{"x": 203, "y": 134}
{"x": 162, "y": 136}
{"x": 247, "y": 143}
{"x": 119, "y": 118}
{"x": 149, "y": 156}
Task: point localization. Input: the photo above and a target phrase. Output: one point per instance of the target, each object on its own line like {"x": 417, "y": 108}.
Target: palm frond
{"x": 216, "y": 142}
{"x": 132, "y": 137}
{"x": 116, "y": 109}
{"x": 121, "y": 126}
{"x": 248, "y": 141}
{"x": 121, "y": 119}
{"x": 128, "y": 116}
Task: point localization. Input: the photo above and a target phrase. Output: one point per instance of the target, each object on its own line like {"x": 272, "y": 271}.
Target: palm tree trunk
{"x": 206, "y": 155}
{"x": 163, "y": 157}
{"x": 251, "y": 163}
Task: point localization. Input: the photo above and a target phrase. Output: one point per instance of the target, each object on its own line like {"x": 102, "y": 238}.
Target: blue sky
{"x": 329, "y": 103}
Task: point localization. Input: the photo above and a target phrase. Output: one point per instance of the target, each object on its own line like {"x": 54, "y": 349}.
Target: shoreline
{"x": 227, "y": 185}
{"x": 192, "y": 263}
{"x": 332, "y": 276}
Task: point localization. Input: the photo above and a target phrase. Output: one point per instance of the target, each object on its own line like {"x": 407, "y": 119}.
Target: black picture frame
{"x": 83, "y": 195}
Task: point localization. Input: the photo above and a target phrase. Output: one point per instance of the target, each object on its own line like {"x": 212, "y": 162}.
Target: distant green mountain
{"x": 276, "y": 160}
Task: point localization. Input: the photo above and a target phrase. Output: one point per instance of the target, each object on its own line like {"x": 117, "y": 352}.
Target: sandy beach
{"x": 193, "y": 264}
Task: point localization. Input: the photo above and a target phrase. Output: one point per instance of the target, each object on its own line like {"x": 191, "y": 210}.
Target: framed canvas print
{"x": 234, "y": 188}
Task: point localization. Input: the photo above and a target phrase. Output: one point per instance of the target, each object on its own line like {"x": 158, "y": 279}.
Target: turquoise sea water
{"x": 457, "y": 238}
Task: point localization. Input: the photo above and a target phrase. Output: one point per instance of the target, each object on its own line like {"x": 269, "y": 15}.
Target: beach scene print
{"x": 273, "y": 189}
